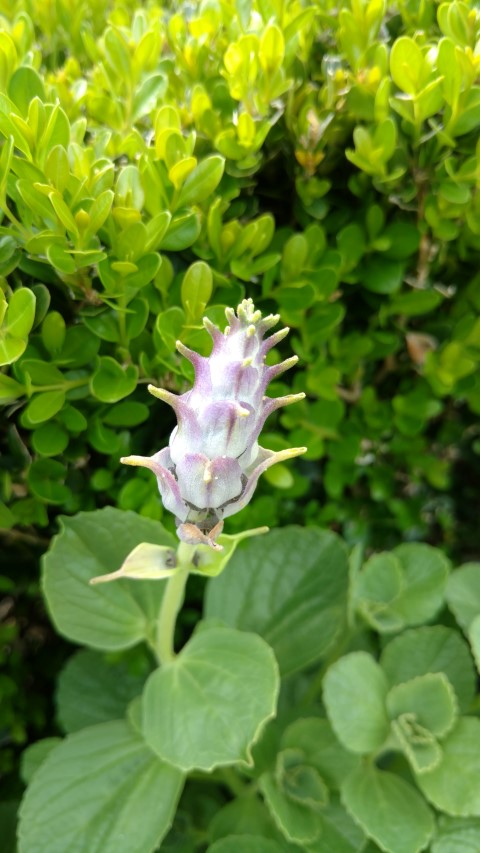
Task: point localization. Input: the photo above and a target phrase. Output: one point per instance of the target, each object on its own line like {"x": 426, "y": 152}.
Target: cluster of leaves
{"x": 375, "y": 744}
{"x": 159, "y": 161}
{"x": 158, "y": 166}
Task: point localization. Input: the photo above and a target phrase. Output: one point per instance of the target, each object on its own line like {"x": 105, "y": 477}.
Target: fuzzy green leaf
{"x": 388, "y": 809}
{"x": 89, "y": 792}
{"x": 355, "y": 691}
{"x": 207, "y": 707}
{"x": 108, "y": 616}
{"x": 454, "y": 785}
{"x": 90, "y": 690}
{"x": 289, "y": 586}
{"x": 431, "y": 649}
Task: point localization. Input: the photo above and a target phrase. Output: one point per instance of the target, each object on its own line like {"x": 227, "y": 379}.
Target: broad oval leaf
{"x": 407, "y": 65}
{"x": 100, "y": 791}
{"x": 457, "y": 835}
{"x": 11, "y": 348}
{"x": 45, "y": 406}
{"x": 433, "y": 648}
{"x": 454, "y": 785}
{"x": 402, "y": 588}
{"x": 92, "y": 690}
{"x": 208, "y": 706}
{"x": 355, "y": 691}
{"x": 25, "y": 85}
{"x": 111, "y": 382}
{"x": 34, "y": 756}
{"x": 388, "y": 809}
{"x": 463, "y": 594}
{"x": 430, "y": 698}
{"x": 290, "y": 586}
{"x": 182, "y": 231}
{"x": 21, "y": 312}
{"x": 108, "y": 616}
{"x": 202, "y": 182}
{"x": 196, "y": 290}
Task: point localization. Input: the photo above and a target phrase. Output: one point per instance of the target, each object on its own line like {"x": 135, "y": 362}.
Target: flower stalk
{"x": 172, "y": 601}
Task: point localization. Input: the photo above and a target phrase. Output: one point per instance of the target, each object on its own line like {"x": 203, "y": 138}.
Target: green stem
{"x": 122, "y": 322}
{"x": 13, "y": 219}
{"x": 171, "y": 603}
{"x": 64, "y": 386}
{"x": 233, "y": 781}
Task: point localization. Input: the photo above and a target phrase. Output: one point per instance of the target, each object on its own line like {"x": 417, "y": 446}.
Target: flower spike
{"x": 212, "y": 464}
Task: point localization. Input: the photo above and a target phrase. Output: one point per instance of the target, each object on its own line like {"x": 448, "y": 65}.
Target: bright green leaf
{"x": 202, "y": 182}
{"x": 11, "y": 348}
{"x": 196, "y": 290}
{"x": 44, "y": 406}
{"x": 457, "y": 835}
{"x": 454, "y": 786}
{"x": 182, "y": 231}
{"x": 388, "y": 809}
{"x": 25, "y": 85}
{"x": 111, "y": 381}
{"x": 355, "y": 691}
{"x": 407, "y": 65}
{"x": 463, "y": 594}
{"x": 53, "y": 332}
{"x": 108, "y": 616}
{"x": 21, "y": 312}
{"x": 297, "y": 822}
{"x": 208, "y": 706}
{"x": 10, "y": 389}
{"x": 430, "y": 698}
{"x": 34, "y": 755}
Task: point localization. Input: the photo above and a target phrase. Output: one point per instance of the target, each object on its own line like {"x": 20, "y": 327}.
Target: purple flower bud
{"x": 212, "y": 464}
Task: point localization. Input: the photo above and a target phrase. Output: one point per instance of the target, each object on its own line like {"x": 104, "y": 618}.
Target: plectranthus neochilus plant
{"x": 212, "y": 464}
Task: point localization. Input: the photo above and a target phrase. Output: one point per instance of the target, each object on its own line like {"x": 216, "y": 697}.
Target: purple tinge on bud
{"x": 212, "y": 464}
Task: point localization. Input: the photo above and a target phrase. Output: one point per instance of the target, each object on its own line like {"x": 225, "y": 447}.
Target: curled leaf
{"x": 145, "y": 562}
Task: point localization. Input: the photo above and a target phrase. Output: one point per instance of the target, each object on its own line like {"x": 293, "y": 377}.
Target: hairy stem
{"x": 171, "y": 603}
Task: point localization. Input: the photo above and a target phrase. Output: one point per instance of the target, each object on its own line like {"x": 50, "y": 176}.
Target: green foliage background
{"x": 162, "y": 162}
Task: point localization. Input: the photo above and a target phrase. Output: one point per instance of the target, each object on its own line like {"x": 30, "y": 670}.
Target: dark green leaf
{"x": 303, "y": 578}
{"x": 112, "y": 779}
{"x": 91, "y": 690}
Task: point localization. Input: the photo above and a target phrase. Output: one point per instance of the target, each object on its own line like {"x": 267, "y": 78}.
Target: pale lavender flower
{"x": 212, "y": 464}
